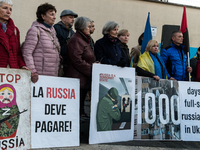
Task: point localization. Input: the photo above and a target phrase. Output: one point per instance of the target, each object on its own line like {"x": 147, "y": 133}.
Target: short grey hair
{"x": 7, "y": 2}
{"x": 110, "y": 25}
{"x": 81, "y": 23}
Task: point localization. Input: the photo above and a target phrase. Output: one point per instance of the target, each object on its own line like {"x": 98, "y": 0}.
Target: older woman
{"x": 41, "y": 48}
{"x": 80, "y": 58}
{"x": 107, "y": 49}
{"x": 123, "y": 36}
{"x": 150, "y": 64}
{"x": 10, "y": 54}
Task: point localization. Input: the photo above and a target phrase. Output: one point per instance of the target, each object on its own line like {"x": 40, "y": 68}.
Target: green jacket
{"x": 105, "y": 114}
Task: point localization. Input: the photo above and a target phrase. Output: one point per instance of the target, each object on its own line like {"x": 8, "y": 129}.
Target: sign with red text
{"x": 111, "y": 106}
{"x": 55, "y": 112}
{"x": 15, "y": 131}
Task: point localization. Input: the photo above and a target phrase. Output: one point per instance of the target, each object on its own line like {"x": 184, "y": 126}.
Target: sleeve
{"x": 144, "y": 73}
{"x": 164, "y": 55}
{"x": 75, "y": 52}
{"x": 114, "y": 113}
{"x": 19, "y": 54}
{"x": 198, "y": 71}
{"x": 29, "y": 47}
{"x": 100, "y": 55}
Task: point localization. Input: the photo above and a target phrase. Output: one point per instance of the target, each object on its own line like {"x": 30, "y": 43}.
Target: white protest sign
{"x": 55, "y": 112}
{"x": 190, "y": 110}
{"x": 113, "y": 93}
{"x": 15, "y": 88}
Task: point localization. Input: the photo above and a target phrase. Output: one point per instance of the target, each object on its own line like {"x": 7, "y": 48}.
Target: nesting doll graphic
{"x": 9, "y": 112}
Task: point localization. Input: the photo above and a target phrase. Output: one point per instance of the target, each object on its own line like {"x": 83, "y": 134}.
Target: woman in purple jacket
{"x": 41, "y": 47}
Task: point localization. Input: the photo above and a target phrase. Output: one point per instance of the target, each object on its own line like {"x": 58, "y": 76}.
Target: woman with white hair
{"x": 107, "y": 49}
{"x": 80, "y": 58}
{"x": 10, "y": 56}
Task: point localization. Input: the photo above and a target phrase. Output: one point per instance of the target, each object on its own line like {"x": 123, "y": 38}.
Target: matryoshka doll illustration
{"x": 9, "y": 112}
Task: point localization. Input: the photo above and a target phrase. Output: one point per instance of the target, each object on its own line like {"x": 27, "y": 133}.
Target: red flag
{"x": 184, "y": 30}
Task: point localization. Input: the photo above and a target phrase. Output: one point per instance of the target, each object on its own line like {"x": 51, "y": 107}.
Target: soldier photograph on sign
{"x": 114, "y": 106}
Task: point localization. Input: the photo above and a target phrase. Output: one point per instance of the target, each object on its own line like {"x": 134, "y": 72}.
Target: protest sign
{"x": 157, "y": 109}
{"x": 111, "y": 105}
{"x": 55, "y": 112}
{"x": 15, "y": 109}
{"x": 190, "y": 106}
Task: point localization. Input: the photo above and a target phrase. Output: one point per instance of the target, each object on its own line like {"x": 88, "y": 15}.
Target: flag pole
{"x": 188, "y": 55}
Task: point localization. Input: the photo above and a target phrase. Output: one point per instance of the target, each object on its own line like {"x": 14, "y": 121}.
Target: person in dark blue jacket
{"x": 64, "y": 32}
{"x": 107, "y": 50}
{"x": 175, "y": 59}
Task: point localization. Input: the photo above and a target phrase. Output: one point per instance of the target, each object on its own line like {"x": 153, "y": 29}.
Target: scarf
{"x": 159, "y": 66}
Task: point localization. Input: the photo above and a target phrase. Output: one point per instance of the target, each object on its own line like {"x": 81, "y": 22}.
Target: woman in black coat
{"x": 107, "y": 50}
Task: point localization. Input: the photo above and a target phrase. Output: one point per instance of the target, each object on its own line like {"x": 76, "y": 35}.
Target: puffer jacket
{"x": 39, "y": 52}
{"x": 175, "y": 61}
{"x": 79, "y": 59}
{"x": 10, "y": 53}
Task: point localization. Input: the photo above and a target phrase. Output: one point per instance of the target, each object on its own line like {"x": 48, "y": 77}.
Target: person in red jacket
{"x": 10, "y": 56}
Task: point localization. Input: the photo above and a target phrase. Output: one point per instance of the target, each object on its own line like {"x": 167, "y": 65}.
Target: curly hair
{"x": 42, "y": 10}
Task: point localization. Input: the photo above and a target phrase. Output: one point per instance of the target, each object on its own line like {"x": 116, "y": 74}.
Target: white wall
{"x": 131, "y": 14}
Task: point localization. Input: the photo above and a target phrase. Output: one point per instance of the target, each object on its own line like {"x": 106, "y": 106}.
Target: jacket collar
{"x": 9, "y": 32}
{"x": 174, "y": 45}
{"x": 106, "y": 36}
{"x": 63, "y": 25}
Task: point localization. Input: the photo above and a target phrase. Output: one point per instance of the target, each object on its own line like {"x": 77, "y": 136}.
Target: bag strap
{"x": 53, "y": 41}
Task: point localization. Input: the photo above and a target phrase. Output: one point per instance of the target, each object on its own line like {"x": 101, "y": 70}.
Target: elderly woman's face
{"x": 114, "y": 32}
{"x": 124, "y": 38}
{"x": 87, "y": 29}
{"x": 50, "y": 17}
{"x": 5, "y": 12}
{"x": 154, "y": 49}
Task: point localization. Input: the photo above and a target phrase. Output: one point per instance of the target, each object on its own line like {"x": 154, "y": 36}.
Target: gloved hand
{"x": 121, "y": 63}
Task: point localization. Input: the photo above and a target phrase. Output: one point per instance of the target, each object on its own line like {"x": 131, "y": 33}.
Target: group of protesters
{"x": 56, "y": 50}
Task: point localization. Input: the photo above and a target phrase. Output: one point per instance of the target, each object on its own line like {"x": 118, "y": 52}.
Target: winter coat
{"x": 198, "y": 71}
{"x": 135, "y": 53}
{"x": 107, "y": 51}
{"x": 193, "y": 64}
{"x": 40, "y": 53}
{"x": 63, "y": 35}
{"x": 106, "y": 113}
{"x": 80, "y": 57}
{"x": 10, "y": 47}
{"x": 175, "y": 61}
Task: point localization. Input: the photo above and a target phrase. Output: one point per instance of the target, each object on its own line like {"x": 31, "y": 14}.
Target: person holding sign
{"x": 41, "y": 49}
{"x": 10, "y": 56}
{"x": 80, "y": 58}
{"x": 150, "y": 64}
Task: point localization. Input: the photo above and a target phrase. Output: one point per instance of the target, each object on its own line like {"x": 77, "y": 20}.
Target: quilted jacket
{"x": 40, "y": 53}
